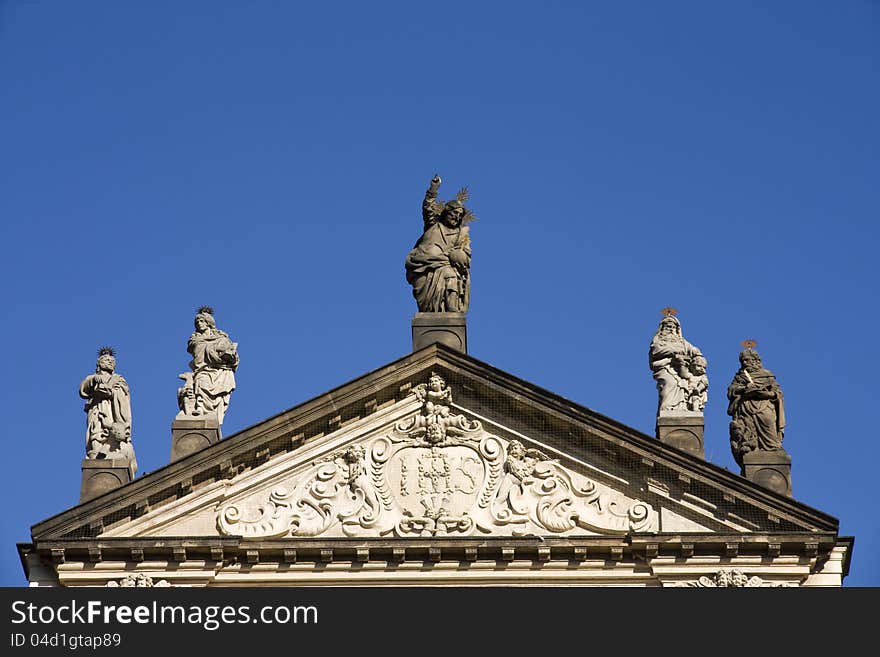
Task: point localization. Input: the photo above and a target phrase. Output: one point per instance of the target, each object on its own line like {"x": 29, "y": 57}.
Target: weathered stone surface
{"x": 102, "y": 475}
{"x": 770, "y": 469}
{"x": 688, "y": 495}
{"x": 756, "y": 408}
{"x": 684, "y": 432}
{"x": 551, "y": 451}
{"x": 679, "y": 368}
{"x": 138, "y": 580}
{"x": 580, "y": 560}
{"x": 189, "y": 435}
{"x": 108, "y": 412}
{"x": 434, "y": 473}
{"x": 438, "y": 267}
{"x": 728, "y": 578}
{"x": 446, "y": 328}
{"x": 207, "y": 388}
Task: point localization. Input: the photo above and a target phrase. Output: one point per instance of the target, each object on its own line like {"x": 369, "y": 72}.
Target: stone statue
{"x": 756, "y": 407}
{"x": 436, "y": 422}
{"x": 698, "y": 384}
{"x": 206, "y": 390}
{"x": 679, "y": 369}
{"x": 108, "y": 411}
{"x": 519, "y": 466}
{"x": 438, "y": 267}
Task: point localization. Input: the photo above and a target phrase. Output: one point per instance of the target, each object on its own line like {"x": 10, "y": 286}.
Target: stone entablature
{"x": 656, "y": 560}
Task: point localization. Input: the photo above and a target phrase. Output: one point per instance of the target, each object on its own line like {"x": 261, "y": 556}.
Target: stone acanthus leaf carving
{"x": 139, "y": 580}
{"x": 435, "y": 474}
{"x": 492, "y": 453}
{"x": 727, "y": 578}
{"x": 379, "y": 455}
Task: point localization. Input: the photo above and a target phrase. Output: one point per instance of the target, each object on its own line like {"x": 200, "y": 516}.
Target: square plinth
{"x": 190, "y": 435}
{"x": 684, "y": 432}
{"x": 770, "y": 469}
{"x": 102, "y": 475}
{"x": 446, "y": 328}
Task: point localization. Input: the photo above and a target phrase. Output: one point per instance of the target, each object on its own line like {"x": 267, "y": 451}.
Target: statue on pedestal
{"x": 206, "y": 390}
{"x": 679, "y": 369}
{"x": 756, "y": 408}
{"x": 108, "y": 412}
{"x": 438, "y": 267}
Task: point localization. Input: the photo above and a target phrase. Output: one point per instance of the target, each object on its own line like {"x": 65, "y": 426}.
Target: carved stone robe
{"x": 214, "y": 362}
{"x": 428, "y": 267}
{"x": 108, "y": 408}
{"x": 757, "y": 410}
{"x": 664, "y": 358}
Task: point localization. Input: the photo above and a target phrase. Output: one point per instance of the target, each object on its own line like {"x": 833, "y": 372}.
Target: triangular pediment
{"x": 368, "y": 461}
{"x": 387, "y": 476}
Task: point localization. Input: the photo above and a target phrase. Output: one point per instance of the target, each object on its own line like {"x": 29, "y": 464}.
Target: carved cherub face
{"x": 354, "y": 454}
{"x": 699, "y": 366}
{"x": 515, "y": 450}
{"x": 119, "y": 432}
{"x": 435, "y": 433}
{"x": 435, "y": 383}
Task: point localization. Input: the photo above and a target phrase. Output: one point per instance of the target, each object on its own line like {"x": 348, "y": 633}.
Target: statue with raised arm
{"x": 438, "y": 267}
{"x": 207, "y": 389}
{"x": 108, "y": 411}
{"x": 679, "y": 369}
{"x": 756, "y": 408}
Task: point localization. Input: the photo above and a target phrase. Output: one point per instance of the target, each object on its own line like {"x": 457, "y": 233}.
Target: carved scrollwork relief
{"x": 139, "y": 580}
{"x": 727, "y": 578}
{"x": 336, "y": 490}
{"x": 436, "y": 473}
{"x": 536, "y": 490}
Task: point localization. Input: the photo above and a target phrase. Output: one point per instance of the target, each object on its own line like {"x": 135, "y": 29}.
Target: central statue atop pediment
{"x": 438, "y": 267}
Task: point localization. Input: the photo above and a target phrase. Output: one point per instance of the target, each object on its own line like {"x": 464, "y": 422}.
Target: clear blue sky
{"x": 269, "y": 159}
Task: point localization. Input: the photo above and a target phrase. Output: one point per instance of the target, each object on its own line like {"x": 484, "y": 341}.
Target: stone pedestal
{"x": 684, "y": 432}
{"x": 102, "y": 475}
{"x": 447, "y": 328}
{"x": 190, "y": 435}
{"x": 769, "y": 469}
